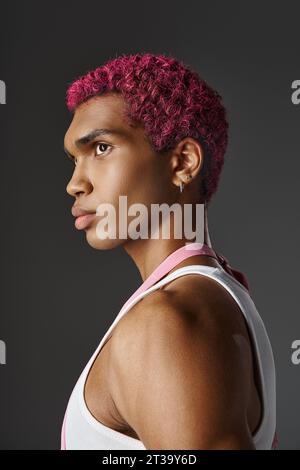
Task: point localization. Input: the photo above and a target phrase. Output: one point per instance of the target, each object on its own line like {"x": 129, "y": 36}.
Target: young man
{"x": 190, "y": 365}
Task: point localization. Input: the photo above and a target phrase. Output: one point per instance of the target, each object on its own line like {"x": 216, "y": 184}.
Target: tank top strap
{"x": 182, "y": 253}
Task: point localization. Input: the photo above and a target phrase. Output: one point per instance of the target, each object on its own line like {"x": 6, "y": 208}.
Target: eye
{"x": 101, "y": 144}
{"x": 73, "y": 160}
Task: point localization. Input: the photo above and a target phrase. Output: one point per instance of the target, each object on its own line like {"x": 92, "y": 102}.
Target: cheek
{"x": 145, "y": 183}
{"x": 137, "y": 178}
{"x": 142, "y": 177}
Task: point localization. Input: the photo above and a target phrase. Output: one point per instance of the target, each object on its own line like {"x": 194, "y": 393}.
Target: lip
{"x": 78, "y": 211}
{"x": 83, "y": 221}
{"x": 83, "y": 217}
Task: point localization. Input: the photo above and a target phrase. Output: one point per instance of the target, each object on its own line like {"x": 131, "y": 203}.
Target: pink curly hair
{"x": 169, "y": 99}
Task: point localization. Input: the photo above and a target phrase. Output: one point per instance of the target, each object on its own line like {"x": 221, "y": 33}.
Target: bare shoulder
{"x": 176, "y": 363}
{"x": 189, "y": 301}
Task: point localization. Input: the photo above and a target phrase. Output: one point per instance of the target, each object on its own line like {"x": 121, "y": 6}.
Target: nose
{"x": 78, "y": 184}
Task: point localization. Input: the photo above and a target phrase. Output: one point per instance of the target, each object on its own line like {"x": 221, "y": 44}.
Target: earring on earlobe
{"x": 182, "y": 184}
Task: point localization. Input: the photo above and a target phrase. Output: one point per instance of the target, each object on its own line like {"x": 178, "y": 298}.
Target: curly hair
{"x": 169, "y": 99}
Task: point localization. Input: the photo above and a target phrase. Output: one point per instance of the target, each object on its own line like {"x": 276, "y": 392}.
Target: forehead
{"x": 105, "y": 111}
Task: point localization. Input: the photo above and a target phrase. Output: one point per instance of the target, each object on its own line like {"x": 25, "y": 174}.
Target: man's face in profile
{"x": 112, "y": 158}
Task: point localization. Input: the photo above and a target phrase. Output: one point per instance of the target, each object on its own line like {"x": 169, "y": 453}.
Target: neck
{"x": 147, "y": 254}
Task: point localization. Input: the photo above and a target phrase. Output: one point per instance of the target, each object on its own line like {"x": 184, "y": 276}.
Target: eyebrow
{"x": 86, "y": 139}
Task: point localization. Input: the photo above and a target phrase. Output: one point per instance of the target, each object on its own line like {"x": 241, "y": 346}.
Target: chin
{"x": 102, "y": 244}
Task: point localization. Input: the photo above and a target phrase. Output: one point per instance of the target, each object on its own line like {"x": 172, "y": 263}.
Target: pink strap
{"x": 182, "y": 253}
{"x": 275, "y": 441}
{"x": 238, "y": 275}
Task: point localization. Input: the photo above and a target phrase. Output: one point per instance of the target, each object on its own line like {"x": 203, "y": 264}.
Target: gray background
{"x": 58, "y": 295}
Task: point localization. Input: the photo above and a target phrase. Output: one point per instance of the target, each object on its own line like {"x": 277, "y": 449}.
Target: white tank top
{"x": 81, "y": 430}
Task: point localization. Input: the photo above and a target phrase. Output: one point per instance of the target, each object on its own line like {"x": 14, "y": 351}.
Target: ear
{"x": 186, "y": 161}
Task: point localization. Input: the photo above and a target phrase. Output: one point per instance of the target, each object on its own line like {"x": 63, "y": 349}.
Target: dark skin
{"x": 178, "y": 371}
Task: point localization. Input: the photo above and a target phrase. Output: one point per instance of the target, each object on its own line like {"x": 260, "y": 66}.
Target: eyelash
{"x": 101, "y": 143}
{"x": 97, "y": 155}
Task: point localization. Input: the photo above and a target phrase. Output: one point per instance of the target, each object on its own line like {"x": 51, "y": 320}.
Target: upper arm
{"x": 179, "y": 381}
